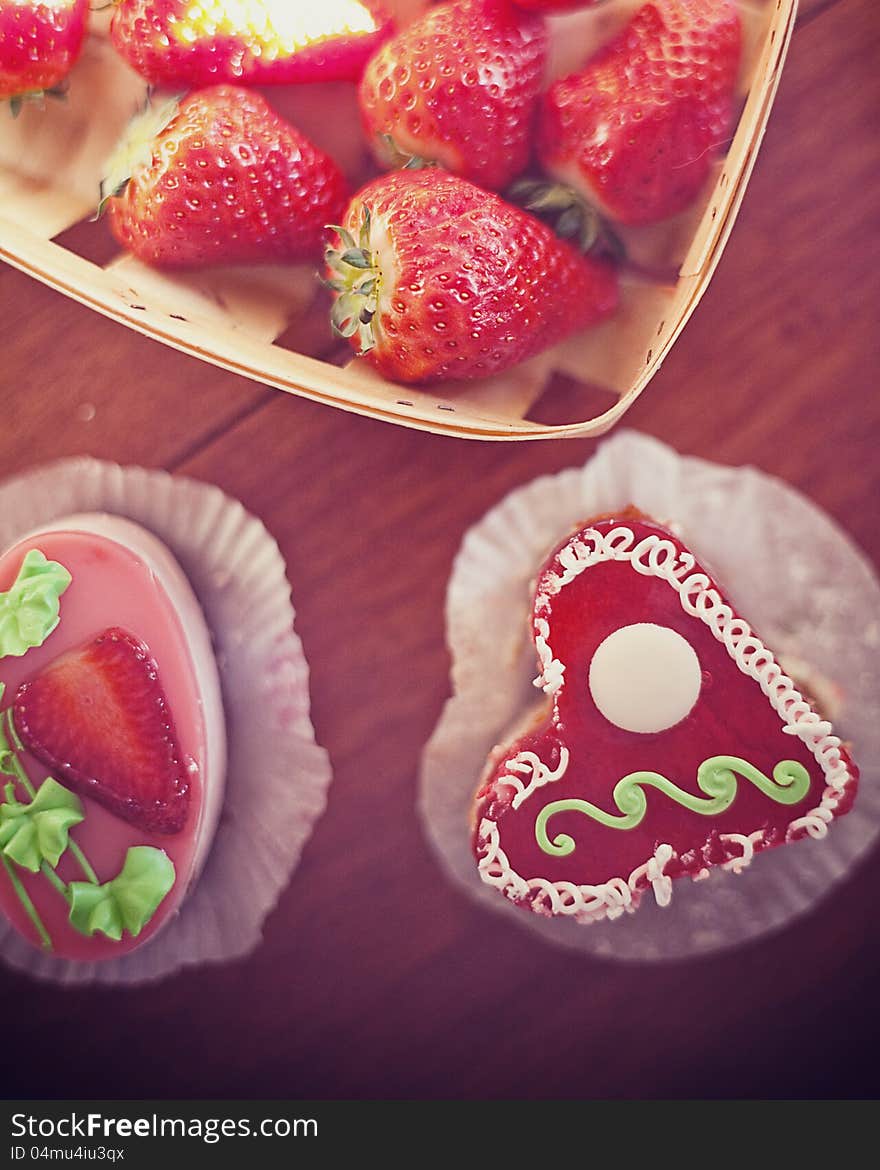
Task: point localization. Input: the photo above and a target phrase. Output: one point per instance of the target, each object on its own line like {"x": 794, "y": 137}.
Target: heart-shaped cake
{"x": 674, "y": 741}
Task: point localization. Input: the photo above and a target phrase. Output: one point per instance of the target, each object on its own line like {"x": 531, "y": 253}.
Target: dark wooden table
{"x": 376, "y": 978}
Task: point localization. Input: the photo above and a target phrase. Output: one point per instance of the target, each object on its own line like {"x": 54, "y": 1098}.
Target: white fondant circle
{"x": 645, "y": 678}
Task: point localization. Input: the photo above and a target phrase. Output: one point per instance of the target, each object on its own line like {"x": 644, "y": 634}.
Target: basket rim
{"x": 279, "y": 368}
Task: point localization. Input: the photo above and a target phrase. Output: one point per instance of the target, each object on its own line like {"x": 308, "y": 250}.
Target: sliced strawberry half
{"x": 98, "y": 718}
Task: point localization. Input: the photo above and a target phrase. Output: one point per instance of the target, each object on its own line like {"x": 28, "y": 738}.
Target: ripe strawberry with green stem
{"x": 458, "y": 87}
{"x": 220, "y": 178}
{"x": 636, "y": 130}
{"x": 178, "y": 43}
{"x": 40, "y": 42}
{"x": 97, "y": 717}
{"x": 437, "y": 279}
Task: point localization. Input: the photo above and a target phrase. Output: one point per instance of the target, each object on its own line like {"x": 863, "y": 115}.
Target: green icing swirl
{"x": 128, "y": 901}
{"x": 38, "y": 831}
{"x": 716, "y": 777}
{"x": 30, "y": 609}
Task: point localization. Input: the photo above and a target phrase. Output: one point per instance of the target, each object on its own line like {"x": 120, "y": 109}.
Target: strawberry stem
{"x": 569, "y": 214}
{"x": 356, "y": 281}
{"x": 18, "y": 100}
{"x": 401, "y": 159}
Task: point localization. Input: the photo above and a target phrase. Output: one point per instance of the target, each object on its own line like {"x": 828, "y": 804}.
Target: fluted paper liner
{"x": 794, "y": 575}
{"x": 277, "y": 776}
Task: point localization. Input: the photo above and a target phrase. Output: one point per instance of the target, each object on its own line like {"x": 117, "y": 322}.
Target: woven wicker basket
{"x": 268, "y": 323}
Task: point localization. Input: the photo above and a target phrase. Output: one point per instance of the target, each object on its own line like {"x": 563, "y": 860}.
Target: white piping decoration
{"x": 656, "y": 557}
{"x": 583, "y": 903}
{"x": 652, "y": 870}
{"x": 807, "y": 722}
{"x": 747, "y": 844}
{"x": 550, "y": 678}
{"x": 815, "y": 822}
{"x": 527, "y": 763}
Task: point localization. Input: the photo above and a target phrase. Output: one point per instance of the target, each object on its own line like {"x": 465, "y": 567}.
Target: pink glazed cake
{"x": 112, "y": 739}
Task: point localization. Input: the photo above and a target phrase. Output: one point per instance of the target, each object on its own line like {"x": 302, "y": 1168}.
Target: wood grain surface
{"x": 376, "y": 978}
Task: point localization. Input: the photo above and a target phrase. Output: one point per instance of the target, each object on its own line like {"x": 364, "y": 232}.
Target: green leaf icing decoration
{"x": 126, "y": 902}
{"x": 35, "y": 835}
{"x": 36, "y": 832}
{"x": 716, "y": 777}
{"x": 30, "y": 610}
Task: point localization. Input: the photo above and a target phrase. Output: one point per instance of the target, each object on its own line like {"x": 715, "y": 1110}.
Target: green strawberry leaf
{"x": 30, "y": 610}
{"x": 126, "y": 902}
{"x": 36, "y": 832}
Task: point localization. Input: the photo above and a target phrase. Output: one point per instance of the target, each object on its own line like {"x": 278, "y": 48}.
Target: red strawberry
{"x": 437, "y": 279}
{"x": 556, "y": 5}
{"x": 39, "y": 44}
{"x": 97, "y": 717}
{"x": 636, "y": 131}
{"x": 459, "y": 87}
{"x": 220, "y": 178}
{"x": 256, "y": 42}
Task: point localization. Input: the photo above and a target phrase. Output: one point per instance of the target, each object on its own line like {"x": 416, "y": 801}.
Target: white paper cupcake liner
{"x": 798, "y": 579}
{"x": 277, "y": 776}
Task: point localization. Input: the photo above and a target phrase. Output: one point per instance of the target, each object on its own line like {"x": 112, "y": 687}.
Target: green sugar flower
{"x": 30, "y": 609}
{"x": 126, "y": 902}
{"x": 36, "y": 832}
